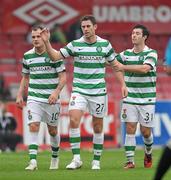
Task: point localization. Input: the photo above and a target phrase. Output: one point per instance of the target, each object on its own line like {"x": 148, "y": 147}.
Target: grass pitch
{"x": 12, "y": 167}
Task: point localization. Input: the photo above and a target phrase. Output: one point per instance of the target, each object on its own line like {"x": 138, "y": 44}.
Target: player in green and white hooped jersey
{"x": 89, "y": 88}
{"x": 44, "y": 79}
{"x": 139, "y": 65}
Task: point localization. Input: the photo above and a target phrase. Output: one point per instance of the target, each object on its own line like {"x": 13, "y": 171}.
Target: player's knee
{"x": 98, "y": 129}
{"x": 146, "y": 133}
{"x": 52, "y": 132}
{"x": 130, "y": 129}
{"x": 34, "y": 127}
{"x": 74, "y": 122}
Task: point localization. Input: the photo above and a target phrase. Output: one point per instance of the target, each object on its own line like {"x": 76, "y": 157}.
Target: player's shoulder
{"x": 81, "y": 39}
{"x": 103, "y": 42}
{"x": 100, "y": 39}
{"x": 31, "y": 51}
{"x": 127, "y": 52}
{"x": 150, "y": 50}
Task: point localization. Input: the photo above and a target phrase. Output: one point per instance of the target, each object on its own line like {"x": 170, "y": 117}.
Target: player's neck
{"x": 91, "y": 39}
{"x": 138, "y": 48}
{"x": 40, "y": 50}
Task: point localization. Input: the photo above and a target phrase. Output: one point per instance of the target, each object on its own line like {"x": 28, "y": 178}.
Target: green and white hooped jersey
{"x": 89, "y": 65}
{"x": 43, "y": 75}
{"x": 141, "y": 87}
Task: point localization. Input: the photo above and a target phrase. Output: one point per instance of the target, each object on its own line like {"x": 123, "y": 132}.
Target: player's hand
{"x": 124, "y": 91}
{"x": 45, "y": 35}
{"x": 53, "y": 98}
{"x": 118, "y": 66}
{"x": 19, "y": 101}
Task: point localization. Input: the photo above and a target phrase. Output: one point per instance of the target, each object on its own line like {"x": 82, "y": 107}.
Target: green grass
{"x": 12, "y": 167}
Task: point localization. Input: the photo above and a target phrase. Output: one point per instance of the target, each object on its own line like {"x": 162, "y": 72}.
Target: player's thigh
{"x": 129, "y": 113}
{"x": 146, "y": 114}
{"x": 78, "y": 102}
{"x": 34, "y": 112}
{"x": 98, "y": 106}
{"x": 52, "y": 113}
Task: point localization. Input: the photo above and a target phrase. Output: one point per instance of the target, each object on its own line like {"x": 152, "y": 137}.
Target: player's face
{"x": 137, "y": 36}
{"x": 36, "y": 39}
{"x": 88, "y": 28}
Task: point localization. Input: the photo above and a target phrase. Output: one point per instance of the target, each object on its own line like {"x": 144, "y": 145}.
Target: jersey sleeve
{"x": 68, "y": 50}
{"x": 120, "y": 57}
{"x": 59, "y": 66}
{"x": 25, "y": 67}
{"x": 151, "y": 59}
{"x": 110, "y": 53}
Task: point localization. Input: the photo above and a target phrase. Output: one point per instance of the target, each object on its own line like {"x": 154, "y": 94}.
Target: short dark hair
{"x": 89, "y": 17}
{"x": 38, "y": 26}
{"x": 144, "y": 30}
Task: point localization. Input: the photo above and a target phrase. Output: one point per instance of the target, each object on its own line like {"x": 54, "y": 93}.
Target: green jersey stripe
{"x": 151, "y": 74}
{"x": 89, "y": 76}
{"x": 89, "y": 65}
{"x": 89, "y": 86}
{"x": 83, "y": 44}
{"x": 45, "y": 96}
{"x": 142, "y": 95}
{"x": 44, "y": 76}
{"x": 139, "y": 85}
{"x": 43, "y": 86}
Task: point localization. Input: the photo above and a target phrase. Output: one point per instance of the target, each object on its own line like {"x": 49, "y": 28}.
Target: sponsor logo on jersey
{"x": 97, "y": 58}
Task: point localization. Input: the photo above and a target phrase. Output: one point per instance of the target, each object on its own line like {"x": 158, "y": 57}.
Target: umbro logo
{"x": 80, "y": 49}
{"x": 49, "y": 12}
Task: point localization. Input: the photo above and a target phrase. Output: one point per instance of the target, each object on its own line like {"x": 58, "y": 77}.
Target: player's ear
{"x": 95, "y": 26}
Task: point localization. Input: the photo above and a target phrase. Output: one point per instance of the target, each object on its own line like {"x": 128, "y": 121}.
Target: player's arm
{"x": 141, "y": 69}
{"x": 120, "y": 77}
{"x": 53, "y": 54}
{"x": 23, "y": 85}
{"x": 62, "y": 81}
{"x": 149, "y": 63}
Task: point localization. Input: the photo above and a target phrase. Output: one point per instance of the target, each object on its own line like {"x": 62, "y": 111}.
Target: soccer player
{"x": 45, "y": 79}
{"x": 139, "y": 64}
{"x": 89, "y": 87}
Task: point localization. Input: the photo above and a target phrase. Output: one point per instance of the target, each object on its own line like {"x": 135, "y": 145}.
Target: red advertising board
{"x": 112, "y": 16}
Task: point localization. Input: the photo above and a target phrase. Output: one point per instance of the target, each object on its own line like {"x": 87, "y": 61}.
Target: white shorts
{"x": 38, "y": 111}
{"x": 144, "y": 114}
{"x": 96, "y": 105}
